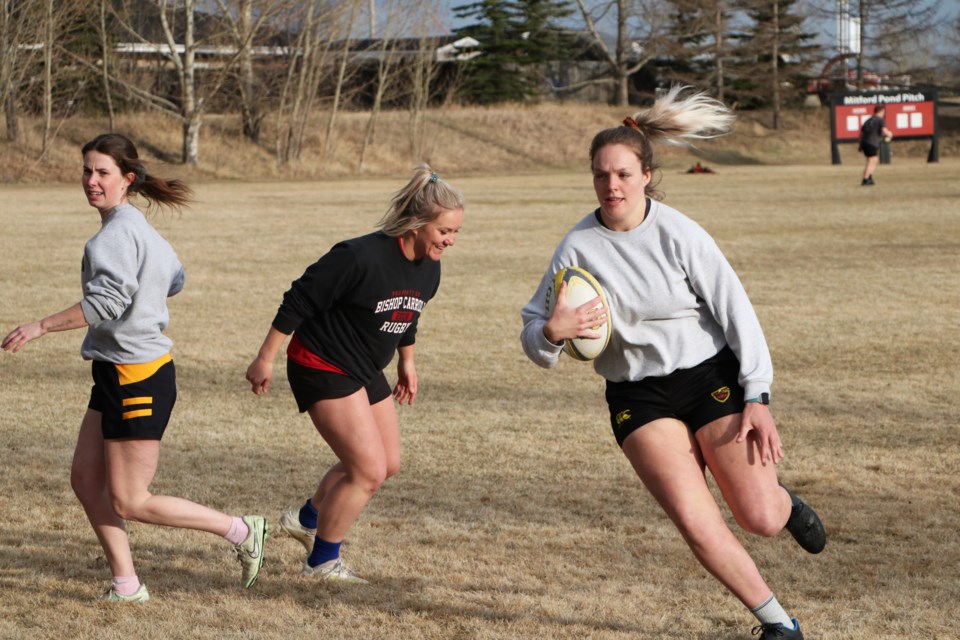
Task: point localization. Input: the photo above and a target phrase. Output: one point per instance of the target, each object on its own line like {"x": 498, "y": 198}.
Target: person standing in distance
{"x": 687, "y": 369}
{"x": 348, "y": 313}
{"x": 873, "y": 133}
{"x": 128, "y": 272}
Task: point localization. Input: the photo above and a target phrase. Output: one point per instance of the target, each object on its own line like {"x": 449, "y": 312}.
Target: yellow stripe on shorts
{"x": 130, "y": 373}
{"x": 139, "y": 400}
{"x": 139, "y": 413}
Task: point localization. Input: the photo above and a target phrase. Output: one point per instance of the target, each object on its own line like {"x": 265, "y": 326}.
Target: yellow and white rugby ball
{"x": 581, "y": 288}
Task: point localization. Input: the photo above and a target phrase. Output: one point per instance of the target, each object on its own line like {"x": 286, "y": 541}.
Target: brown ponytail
{"x": 166, "y": 193}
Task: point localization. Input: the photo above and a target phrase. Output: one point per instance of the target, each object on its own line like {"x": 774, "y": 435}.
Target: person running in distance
{"x": 128, "y": 272}
{"x": 348, "y": 313}
{"x": 687, "y": 368}
{"x": 872, "y": 134}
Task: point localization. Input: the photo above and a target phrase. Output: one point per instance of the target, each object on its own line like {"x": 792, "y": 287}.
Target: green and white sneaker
{"x": 331, "y": 571}
{"x": 290, "y": 522}
{"x": 250, "y": 551}
{"x": 140, "y": 595}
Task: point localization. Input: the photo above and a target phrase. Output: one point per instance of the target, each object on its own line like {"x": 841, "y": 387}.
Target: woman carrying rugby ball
{"x": 348, "y": 313}
{"x": 687, "y": 368}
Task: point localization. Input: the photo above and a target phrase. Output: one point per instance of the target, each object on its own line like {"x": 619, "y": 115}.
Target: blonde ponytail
{"x": 419, "y": 202}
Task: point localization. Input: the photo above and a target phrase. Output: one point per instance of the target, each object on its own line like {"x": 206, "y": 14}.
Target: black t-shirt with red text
{"x": 355, "y": 305}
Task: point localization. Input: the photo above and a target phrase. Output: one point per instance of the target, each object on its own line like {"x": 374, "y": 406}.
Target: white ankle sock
{"x": 770, "y": 612}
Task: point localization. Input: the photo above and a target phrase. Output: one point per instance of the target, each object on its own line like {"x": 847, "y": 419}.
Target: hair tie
{"x": 630, "y": 122}
{"x": 434, "y": 177}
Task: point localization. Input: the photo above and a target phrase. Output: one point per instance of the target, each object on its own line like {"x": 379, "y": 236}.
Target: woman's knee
{"x": 125, "y": 509}
{"x": 369, "y": 477}
{"x": 393, "y": 468}
{"x": 760, "y": 521}
{"x": 87, "y": 484}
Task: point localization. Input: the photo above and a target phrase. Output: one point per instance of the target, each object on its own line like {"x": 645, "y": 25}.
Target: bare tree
{"x": 640, "y": 27}
{"x": 57, "y": 20}
{"x": 49, "y": 30}
{"x": 244, "y": 20}
{"x": 888, "y": 31}
{"x": 341, "y": 76}
{"x": 106, "y": 50}
{"x": 386, "y": 63}
{"x": 21, "y": 25}
{"x": 194, "y": 97}
{"x": 318, "y": 23}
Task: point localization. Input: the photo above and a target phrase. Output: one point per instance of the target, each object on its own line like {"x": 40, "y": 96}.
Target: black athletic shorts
{"x": 869, "y": 150}
{"x": 696, "y": 396}
{"x": 135, "y": 400}
{"x": 310, "y": 385}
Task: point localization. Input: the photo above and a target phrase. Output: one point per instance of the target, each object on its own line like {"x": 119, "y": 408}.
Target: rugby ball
{"x": 581, "y": 288}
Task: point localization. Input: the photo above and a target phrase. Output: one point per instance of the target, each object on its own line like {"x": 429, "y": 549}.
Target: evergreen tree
{"x": 701, "y": 43}
{"x": 515, "y": 37}
{"x": 775, "y": 53}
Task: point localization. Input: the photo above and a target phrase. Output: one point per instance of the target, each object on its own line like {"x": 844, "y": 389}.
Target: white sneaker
{"x": 331, "y": 571}
{"x": 250, "y": 551}
{"x": 140, "y": 595}
{"x": 290, "y": 522}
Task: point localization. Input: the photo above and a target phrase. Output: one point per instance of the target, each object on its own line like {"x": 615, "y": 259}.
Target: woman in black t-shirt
{"x": 348, "y": 313}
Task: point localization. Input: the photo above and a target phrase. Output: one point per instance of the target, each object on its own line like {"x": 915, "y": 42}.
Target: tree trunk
{"x": 719, "y": 53}
{"x": 47, "y": 80}
{"x": 862, "y": 12}
{"x": 12, "y": 114}
{"x": 249, "y": 109}
{"x": 105, "y": 75}
{"x": 775, "y": 70}
{"x": 8, "y": 87}
{"x": 420, "y": 98}
{"x": 191, "y": 113}
{"x": 191, "y": 139}
{"x": 622, "y": 97}
{"x": 338, "y": 90}
{"x": 383, "y": 71}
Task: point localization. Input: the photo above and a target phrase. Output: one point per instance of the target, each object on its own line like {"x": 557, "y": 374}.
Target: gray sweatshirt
{"x": 674, "y": 301}
{"x": 128, "y": 273}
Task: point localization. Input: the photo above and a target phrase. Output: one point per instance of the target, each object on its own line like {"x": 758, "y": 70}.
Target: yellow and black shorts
{"x": 136, "y": 400}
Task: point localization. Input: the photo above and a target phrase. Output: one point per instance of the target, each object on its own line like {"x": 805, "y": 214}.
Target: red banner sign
{"x": 907, "y": 116}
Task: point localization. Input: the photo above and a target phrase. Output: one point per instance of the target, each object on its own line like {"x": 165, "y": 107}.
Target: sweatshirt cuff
{"x": 545, "y": 346}
{"x": 754, "y": 389}
{"x": 286, "y": 324}
{"x": 90, "y": 313}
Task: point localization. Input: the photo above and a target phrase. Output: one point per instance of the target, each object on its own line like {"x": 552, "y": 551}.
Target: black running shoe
{"x": 777, "y": 630}
{"x": 805, "y": 526}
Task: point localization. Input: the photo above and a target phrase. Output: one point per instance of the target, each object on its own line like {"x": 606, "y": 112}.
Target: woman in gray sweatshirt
{"x": 687, "y": 367}
{"x": 127, "y": 274}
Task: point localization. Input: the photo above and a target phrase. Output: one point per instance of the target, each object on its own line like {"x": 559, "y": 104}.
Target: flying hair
{"x": 676, "y": 118}
{"x": 679, "y": 117}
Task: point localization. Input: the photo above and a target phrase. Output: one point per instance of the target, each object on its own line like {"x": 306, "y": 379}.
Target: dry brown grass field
{"x": 514, "y": 515}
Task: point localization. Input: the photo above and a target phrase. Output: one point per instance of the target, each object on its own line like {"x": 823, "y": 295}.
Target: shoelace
{"x": 775, "y": 630}
{"x": 340, "y": 569}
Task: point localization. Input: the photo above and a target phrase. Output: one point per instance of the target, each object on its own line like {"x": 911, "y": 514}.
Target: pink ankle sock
{"x": 126, "y": 585}
{"x": 238, "y": 531}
